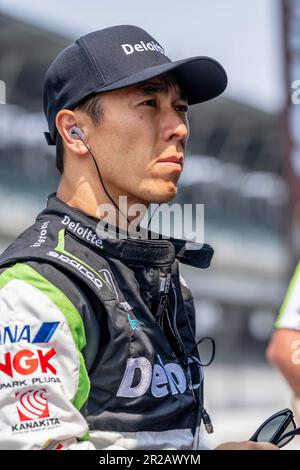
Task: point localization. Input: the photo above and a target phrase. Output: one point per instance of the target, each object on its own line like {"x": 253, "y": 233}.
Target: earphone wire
{"x": 100, "y": 177}
{"x": 106, "y": 192}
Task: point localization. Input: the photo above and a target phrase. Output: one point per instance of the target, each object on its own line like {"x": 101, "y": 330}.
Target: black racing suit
{"x": 97, "y": 338}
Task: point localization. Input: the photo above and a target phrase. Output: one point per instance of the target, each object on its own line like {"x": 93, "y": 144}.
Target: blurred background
{"x": 243, "y": 164}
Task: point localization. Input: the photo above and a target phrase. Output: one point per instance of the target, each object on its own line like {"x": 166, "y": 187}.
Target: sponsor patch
{"x": 32, "y": 404}
{"x": 18, "y": 333}
{"x": 27, "y": 362}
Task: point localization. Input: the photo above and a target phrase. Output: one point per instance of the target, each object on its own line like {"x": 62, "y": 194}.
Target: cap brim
{"x": 201, "y": 78}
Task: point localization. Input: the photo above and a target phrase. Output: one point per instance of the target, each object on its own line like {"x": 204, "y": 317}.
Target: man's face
{"x": 142, "y": 125}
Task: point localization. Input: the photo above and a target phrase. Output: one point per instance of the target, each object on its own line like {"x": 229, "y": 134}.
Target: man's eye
{"x": 182, "y": 108}
{"x": 150, "y": 103}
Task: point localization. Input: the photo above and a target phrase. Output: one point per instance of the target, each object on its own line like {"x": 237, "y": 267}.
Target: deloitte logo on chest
{"x": 161, "y": 379}
{"x": 83, "y": 232}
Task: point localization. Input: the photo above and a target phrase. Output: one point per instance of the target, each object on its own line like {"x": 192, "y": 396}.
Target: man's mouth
{"x": 172, "y": 161}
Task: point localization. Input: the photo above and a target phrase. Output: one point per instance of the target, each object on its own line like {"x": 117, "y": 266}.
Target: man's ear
{"x": 67, "y": 125}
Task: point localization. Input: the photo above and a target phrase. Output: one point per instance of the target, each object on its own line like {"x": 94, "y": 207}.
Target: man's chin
{"x": 164, "y": 196}
{"x": 156, "y": 191}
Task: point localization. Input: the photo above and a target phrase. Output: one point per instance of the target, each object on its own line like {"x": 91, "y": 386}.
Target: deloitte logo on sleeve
{"x": 83, "y": 232}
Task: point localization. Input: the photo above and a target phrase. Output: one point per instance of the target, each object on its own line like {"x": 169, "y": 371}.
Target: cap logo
{"x": 142, "y": 47}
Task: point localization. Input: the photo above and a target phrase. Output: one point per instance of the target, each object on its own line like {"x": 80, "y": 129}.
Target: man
{"x": 98, "y": 347}
{"x": 284, "y": 348}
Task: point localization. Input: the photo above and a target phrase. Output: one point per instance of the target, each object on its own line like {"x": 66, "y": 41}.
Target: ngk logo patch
{"x": 27, "y": 362}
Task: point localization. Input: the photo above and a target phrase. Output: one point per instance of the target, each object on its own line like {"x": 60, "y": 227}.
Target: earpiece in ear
{"x": 76, "y": 133}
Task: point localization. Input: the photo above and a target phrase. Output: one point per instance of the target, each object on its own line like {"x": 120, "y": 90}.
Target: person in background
{"x": 284, "y": 348}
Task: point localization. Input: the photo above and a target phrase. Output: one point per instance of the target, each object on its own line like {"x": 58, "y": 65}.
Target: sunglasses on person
{"x": 279, "y": 429}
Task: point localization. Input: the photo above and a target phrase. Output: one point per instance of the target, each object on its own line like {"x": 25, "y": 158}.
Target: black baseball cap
{"x": 118, "y": 57}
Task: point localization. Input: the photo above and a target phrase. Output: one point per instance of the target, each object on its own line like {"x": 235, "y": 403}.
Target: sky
{"x": 244, "y": 35}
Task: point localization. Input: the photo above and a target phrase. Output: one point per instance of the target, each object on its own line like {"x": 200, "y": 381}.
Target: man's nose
{"x": 175, "y": 128}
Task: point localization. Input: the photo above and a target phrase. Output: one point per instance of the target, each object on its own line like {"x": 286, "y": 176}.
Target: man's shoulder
{"x": 28, "y": 284}
{"x": 19, "y": 246}
{"x": 45, "y": 277}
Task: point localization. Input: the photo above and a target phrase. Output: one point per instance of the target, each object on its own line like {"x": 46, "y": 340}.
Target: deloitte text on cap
{"x": 117, "y": 57}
